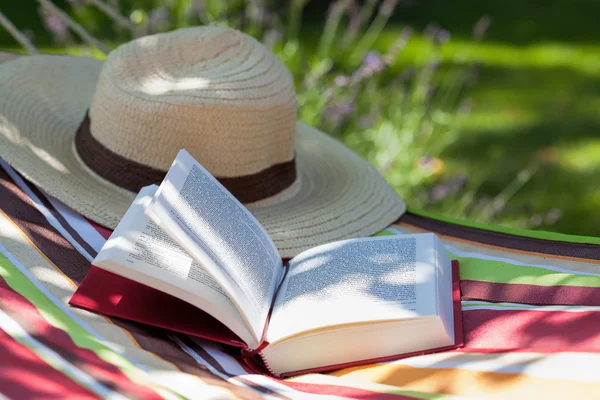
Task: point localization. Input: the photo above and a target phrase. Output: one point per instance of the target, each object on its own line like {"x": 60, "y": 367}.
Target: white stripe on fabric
{"x": 205, "y": 363}
{"x": 14, "y": 261}
{"x": 578, "y": 367}
{"x": 11, "y": 327}
{"x": 527, "y": 307}
{"x": 506, "y": 304}
{"x": 78, "y": 223}
{"x": 69, "y": 313}
{"x": 258, "y": 379}
{"x": 541, "y": 309}
{"x": 466, "y": 254}
{"x": 231, "y": 366}
{"x": 45, "y": 212}
{"x": 322, "y": 379}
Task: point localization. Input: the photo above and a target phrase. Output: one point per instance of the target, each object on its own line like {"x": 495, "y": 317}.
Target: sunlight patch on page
{"x": 355, "y": 281}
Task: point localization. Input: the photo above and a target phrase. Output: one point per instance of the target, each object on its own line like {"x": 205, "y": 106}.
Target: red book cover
{"x": 112, "y": 295}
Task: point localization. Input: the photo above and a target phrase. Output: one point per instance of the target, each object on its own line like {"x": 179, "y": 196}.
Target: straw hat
{"x": 92, "y": 133}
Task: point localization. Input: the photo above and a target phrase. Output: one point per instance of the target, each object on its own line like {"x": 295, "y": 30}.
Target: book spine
{"x": 266, "y": 363}
{"x": 258, "y": 351}
{"x": 251, "y": 358}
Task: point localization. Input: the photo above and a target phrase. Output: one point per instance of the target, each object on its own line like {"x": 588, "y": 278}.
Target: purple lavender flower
{"x": 335, "y": 9}
{"x": 199, "y": 7}
{"x": 408, "y": 73}
{"x": 270, "y": 19}
{"x": 158, "y": 15}
{"x": 481, "y": 27}
{"x": 434, "y": 64}
{"x": 355, "y": 20}
{"x": 460, "y": 181}
{"x": 29, "y": 34}
{"x": 346, "y": 108}
{"x": 424, "y": 161}
{"x": 261, "y": 11}
{"x": 430, "y": 31}
{"x": 430, "y": 94}
{"x": 387, "y": 7}
{"x": 56, "y": 25}
{"x": 440, "y": 191}
{"x": 465, "y": 106}
{"x": 441, "y": 36}
{"x": 535, "y": 220}
{"x": 553, "y": 216}
{"x": 372, "y": 64}
{"x": 367, "y": 121}
{"x": 498, "y": 205}
{"x": 373, "y": 61}
{"x": 341, "y": 80}
{"x": 272, "y": 37}
{"x": 398, "y": 45}
{"x": 474, "y": 74}
{"x": 76, "y": 4}
{"x": 337, "y": 114}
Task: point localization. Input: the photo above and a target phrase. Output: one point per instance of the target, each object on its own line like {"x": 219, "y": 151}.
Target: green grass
{"x": 539, "y": 89}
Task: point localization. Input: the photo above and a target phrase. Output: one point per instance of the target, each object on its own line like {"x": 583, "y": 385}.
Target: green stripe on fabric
{"x": 50, "y": 357}
{"x": 555, "y": 236}
{"x": 56, "y": 317}
{"x": 477, "y": 269}
{"x": 318, "y": 379}
{"x": 528, "y": 307}
{"x": 505, "y": 305}
{"x": 417, "y": 395}
{"x": 387, "y": 389}
{"x": 384, "y": 233}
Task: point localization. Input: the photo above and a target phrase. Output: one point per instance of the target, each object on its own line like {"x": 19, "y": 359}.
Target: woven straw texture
{"x": 220, "y": 95}
{"x": 7, "y": 56}
{"x": 214, "y": 91}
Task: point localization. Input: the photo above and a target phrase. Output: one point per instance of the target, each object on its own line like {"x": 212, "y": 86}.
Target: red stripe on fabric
{"x": 21, "y": 211}
{"x": 29, "y": 317}
{"x": 105, "y": 232}
{"x": 345, "y": 391}
{"x": 34, "y": 225}
{"x": 544, "y": 350}
{"x": 532, "y": 329}
{"x": 24, "y": 375}
{"x": 157, "y": 341}
{"x": 530, "y": 294}
{"x": 509, "y": 241}
{"x": 61, "y": 220}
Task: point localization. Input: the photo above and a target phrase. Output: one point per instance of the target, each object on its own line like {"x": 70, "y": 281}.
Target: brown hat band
{"x": 133, "y": 176}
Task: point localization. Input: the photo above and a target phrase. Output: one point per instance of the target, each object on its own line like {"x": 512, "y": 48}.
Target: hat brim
{"x": 337, "y": 195}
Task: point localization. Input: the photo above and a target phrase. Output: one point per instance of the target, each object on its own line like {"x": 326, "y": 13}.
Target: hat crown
{"x": 214, "y": 91}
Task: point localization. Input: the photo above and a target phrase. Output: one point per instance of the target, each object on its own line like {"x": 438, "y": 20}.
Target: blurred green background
{"x": 482, "y": 110}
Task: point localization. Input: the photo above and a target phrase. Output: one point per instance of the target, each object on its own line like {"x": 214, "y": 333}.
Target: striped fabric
{"x": 531, "y": 315}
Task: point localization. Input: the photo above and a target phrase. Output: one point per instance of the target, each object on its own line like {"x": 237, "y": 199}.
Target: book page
{"x": 357, "y": 281}
{"x": 221, "y": 235}
{"x": 139, "y": 250}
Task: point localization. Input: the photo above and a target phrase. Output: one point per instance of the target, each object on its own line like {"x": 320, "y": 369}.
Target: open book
{"x": 335, "y": 304}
